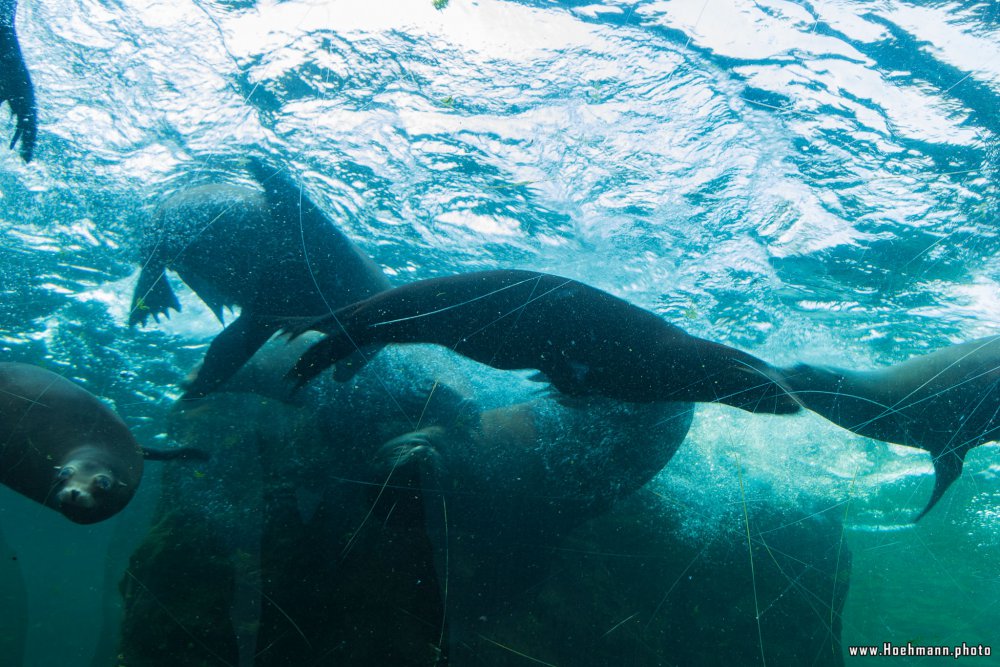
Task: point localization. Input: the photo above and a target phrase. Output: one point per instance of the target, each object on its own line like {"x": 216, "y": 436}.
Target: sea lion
{"x": 410, "y": 438}
{"x": 272, "y": 253}
{"x": 585, "y": 341}
{"x": 15, "y": 83}
{"x": 945, "y": 402}
{"x": 64, "y": 448}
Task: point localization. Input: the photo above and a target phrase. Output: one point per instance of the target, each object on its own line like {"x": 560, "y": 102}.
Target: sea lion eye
{"x": 103, "y": 482}
{"x": 66, "y": 472}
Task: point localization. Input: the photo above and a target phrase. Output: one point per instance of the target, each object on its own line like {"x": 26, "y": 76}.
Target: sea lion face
{"x": 87, "y": 491}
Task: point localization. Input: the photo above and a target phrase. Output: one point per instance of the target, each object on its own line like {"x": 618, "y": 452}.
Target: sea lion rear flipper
{"x": 152, "y": 296}
{"x": 228, "y": 352}
{"x": 947, "y": 468}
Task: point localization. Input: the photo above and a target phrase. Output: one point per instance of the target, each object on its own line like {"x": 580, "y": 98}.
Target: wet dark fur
{"x": 44, "y": 419}
{"x": 586, "y": 342}
{"x": 15, "y": 83}
{"x": 273, "y": 254}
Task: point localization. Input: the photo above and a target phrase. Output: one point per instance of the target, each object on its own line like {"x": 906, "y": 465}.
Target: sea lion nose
{"x": 74, "y": 494}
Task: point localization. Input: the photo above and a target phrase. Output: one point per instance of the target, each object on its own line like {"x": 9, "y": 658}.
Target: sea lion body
{"x": 408, "y": 441}
{"x": 64, "y": 448}
{"x": 585, "y": 341}
{"x": 15, "y": 83}
{"x": 945, "y": 402}
{"x": 272, "y": 253}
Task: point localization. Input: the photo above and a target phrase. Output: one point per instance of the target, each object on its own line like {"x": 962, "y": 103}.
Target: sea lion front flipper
{"x": 152, "y": 296}
{"x": 15, "y": 84}
{"x": 947, "y": 468}
{"x": 330, "y": 350}
{"x": 228, "y": 352}
{"x": 207, "y": 293}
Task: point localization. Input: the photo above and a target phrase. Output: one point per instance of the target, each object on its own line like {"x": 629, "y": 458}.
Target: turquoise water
{"x": 806, "y": 181}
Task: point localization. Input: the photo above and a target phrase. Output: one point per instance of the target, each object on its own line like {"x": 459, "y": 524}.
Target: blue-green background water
{"x": 814, "y": 181}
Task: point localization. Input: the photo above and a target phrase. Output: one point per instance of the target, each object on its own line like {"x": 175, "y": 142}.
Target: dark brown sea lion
{"x": 64, "y": 448}
{"x": 585, "y": 341}
{"x": 273, "y": 253}
{"x": 15, "y": 82}
{"x": 945, "y": 402}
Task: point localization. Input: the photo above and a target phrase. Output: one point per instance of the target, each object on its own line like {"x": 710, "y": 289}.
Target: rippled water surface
{"x": 809, "y": 181}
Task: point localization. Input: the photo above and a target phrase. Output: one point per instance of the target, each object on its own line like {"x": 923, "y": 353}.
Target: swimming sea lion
{"x": 585, "y": 341}
{"x": 945, "y": 402}
{"x": 273, "y": 254}
{"x": 64, "y": 448}
{"x": 15, "y": 83}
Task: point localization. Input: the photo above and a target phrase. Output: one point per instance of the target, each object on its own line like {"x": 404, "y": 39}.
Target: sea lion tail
{"x": 947, "y": 468}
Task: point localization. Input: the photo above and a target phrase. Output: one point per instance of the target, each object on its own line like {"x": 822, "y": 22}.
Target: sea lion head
{"x": 87, "y": 490}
